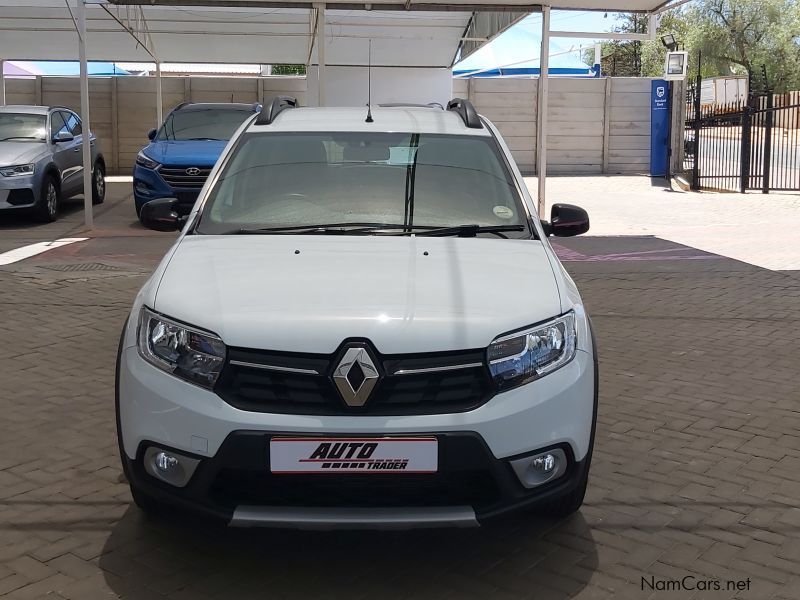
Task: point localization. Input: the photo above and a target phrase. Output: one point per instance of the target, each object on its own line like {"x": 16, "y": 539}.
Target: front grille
{"x": 247, "y": 387}
{"x": 179, "y": 178}
{"x": 233, "y": 487}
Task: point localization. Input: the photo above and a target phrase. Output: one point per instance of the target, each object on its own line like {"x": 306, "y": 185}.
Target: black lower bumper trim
{"x": 238, "y": 477}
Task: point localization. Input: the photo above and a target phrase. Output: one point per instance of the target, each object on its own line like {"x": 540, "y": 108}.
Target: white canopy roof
{"x": 420, "y": 33}
{"x": 45, "y": 30}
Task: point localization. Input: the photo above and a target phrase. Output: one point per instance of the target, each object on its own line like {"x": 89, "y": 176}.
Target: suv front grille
{"x": 179, "y": 178}
{"x": 246, "y": 384}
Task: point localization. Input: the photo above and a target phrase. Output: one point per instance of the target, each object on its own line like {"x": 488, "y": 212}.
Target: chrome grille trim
{"x": 437, "y": 369}
{"x": 242, "y": 363}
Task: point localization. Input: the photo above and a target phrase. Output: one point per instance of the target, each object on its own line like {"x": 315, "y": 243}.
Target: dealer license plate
{"x": 354, "y": 455}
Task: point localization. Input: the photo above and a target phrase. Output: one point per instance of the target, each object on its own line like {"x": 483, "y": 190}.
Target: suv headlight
{"x": 146, "y": 161}
{"x": 526, "y": 355}
{"x": 194, "y": 355}
{"x": 17, "y": 170}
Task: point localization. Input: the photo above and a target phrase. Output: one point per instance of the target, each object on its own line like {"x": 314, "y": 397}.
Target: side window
{"x": 74, "y": 124}
{"x": 57, "y": 124}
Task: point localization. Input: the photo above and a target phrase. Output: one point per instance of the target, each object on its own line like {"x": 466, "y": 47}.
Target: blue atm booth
{"x": 659, "y": 127}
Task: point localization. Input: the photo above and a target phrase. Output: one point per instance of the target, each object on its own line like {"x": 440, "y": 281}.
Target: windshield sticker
{"x": 401, "y": 155}
{"x": 503, "y": 212}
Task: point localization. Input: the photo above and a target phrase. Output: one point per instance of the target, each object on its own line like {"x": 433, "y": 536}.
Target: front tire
{"x": 98, "y": 183}
{"x": 46, "y": 209}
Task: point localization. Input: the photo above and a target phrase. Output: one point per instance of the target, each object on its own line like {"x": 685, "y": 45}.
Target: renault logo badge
{"x": 355, "y": 376}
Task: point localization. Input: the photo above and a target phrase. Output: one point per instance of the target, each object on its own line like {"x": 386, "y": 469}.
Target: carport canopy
{"x": 413, "y": 33}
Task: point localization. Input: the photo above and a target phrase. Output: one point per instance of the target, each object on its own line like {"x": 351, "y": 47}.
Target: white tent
{"x": 412, "y": 34}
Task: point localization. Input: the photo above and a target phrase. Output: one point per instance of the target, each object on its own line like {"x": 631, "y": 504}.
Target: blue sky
{"x": 521, "y": 42}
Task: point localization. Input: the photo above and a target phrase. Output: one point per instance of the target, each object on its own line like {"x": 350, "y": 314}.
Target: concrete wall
{"x": 595, "y": 125}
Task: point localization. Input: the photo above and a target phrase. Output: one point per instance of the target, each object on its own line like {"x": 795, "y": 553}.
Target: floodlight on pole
{"x": 669, "y": 42}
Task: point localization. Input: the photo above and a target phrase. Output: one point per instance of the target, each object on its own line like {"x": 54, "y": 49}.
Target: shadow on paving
{"x": 514, "y": 556}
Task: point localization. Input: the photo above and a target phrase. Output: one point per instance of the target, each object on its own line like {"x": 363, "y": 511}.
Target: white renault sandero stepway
{"x": 361, "y": 324}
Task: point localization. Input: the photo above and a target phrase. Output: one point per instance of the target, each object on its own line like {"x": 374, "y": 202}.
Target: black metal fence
{"x": 753, "y": 144}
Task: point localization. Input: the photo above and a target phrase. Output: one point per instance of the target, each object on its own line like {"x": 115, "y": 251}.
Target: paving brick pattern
{"x": 696, "y": 470}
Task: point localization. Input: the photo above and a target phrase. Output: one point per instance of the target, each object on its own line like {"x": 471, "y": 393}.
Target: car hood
{"x": 198, "y": 153}
{"x": 309, "y": 293}
{"x": 17, "y": 153}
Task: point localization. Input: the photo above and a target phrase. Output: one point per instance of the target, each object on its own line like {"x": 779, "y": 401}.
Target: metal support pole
{"x": 2, "y": 84}
{"x": 747, "y": 142}
{"x": 86, "y": 130}
{"x": 697, "y": 109}
{"x": 598, "y": 59}
{"x": 541, "y": 113}
{"x": 159, "y": 97}
{"x": 769, "y": 115}
{"x": 320, "y": 54}
{"x": 670, "y": 108}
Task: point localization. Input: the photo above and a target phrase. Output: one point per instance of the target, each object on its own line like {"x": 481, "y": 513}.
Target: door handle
{"x": 77, "y": 149}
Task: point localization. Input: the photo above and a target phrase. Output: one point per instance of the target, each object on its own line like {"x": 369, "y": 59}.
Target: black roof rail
{"x": 466, "y": 111}
{"x": 272, "y": 108}
{"x": 410, "y": 105}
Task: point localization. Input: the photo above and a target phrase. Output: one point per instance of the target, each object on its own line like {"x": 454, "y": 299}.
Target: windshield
{"x": 310, "y": 179}
{"x": 202, "y": 124}
{"x": 21, "y": 127}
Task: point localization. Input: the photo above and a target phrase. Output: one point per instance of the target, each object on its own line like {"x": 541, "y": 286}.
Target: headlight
{"x": 527, "y": 355}
{"x": 146, "y": 161}
{"x": 188, "y": 353}
{"x": 17, "y": 170}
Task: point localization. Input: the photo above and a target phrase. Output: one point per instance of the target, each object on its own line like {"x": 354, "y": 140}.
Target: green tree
{"x": 623, "y": 58}
{"x": 288, "y": 69}
{"x": 734, "y": 37}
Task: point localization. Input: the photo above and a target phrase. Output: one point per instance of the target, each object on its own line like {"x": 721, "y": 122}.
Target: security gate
{"x": 751, "y": 145}
{"x": 772, "y": 156}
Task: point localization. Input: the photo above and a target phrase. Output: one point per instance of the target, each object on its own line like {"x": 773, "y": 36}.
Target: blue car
{"x": 183, "y": 151}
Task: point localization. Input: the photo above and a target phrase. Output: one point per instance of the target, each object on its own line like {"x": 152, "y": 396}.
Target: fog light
{"x": 544, "y": 464}
{"x": 142, "y": 188}
{"x": 535, "y": 470}
{"x": 165, "y": 462}
{"x": 170, "y": 467}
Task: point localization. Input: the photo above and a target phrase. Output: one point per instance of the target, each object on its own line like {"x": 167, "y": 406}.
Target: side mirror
{"x": 161, "y": 214}
{"x": 63, "y": 136}
{"x": 151, "y": 135}
{"x": 567, "y": 220}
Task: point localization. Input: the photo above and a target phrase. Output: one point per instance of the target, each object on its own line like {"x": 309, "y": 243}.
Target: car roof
{"x": 406, "y": 119}
{"x": 251, "y": 107}
{"x": 25, "y": 108}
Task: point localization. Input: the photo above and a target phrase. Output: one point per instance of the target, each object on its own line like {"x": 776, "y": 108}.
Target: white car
{"x": 361, "y": 324}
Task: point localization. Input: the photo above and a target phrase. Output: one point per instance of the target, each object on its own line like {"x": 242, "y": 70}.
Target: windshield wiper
{"x": 204, "y": 139}
{"x": 466, "y": 230}
{"x": 382, "y": 228}
{"x": 323, "y": 229}
{"x": 21, "y": 137}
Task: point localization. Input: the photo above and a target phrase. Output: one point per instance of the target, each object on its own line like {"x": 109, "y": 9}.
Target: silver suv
{"x": 41, "y": 159}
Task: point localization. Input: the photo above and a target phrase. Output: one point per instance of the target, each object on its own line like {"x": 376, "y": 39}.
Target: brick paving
{"x": 696, "y": 469}
{"x": 755, "y": 228}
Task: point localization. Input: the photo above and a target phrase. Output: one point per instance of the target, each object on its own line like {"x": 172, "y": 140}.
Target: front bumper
{"x": 160, "y": 408}
{"x": 475, "y": 480}
{"x": 18, "y": 192}
{"x": 148, "y": 185}
{"x": 237, "y": 488}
